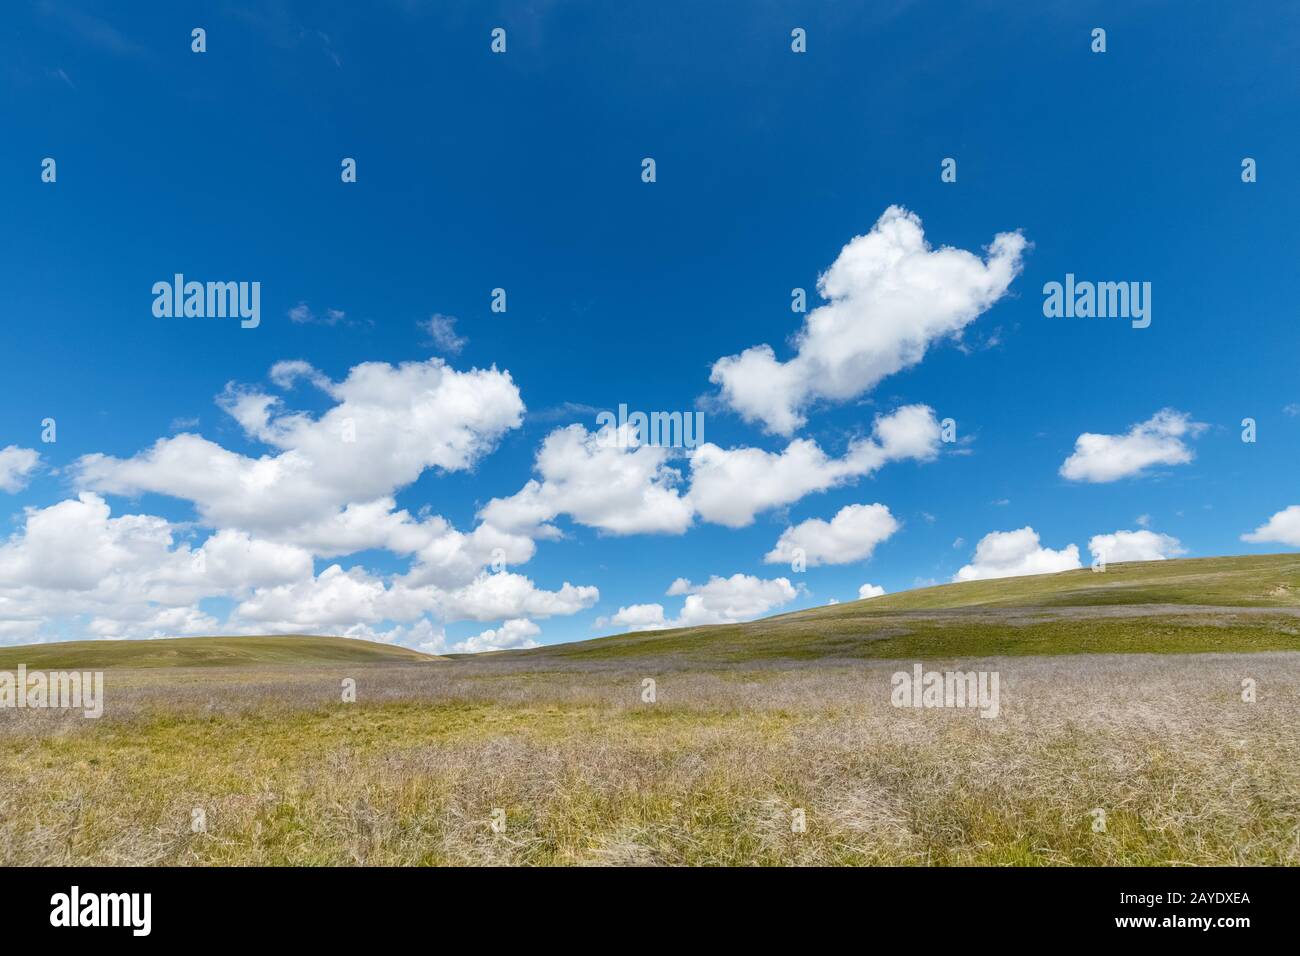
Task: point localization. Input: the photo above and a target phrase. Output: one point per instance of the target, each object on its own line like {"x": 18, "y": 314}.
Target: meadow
{"x": 1157, "y": 729}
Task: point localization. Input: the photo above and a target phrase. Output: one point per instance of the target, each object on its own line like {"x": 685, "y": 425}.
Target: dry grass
{"x": 709, "y": 774}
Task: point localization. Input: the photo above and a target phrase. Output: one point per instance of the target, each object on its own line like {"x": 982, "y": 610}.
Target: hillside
{"x": 205, "y": 652}
{"x": 1249, "y": 603}
{"x": 1234, "y": 604}
{"x": 1269, "y": 580}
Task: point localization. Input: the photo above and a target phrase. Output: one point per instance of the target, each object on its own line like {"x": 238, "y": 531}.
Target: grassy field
{"x": 1189, "y": 606}
{"x": 1109, "y": 712}
{"x": 205, "y": 652}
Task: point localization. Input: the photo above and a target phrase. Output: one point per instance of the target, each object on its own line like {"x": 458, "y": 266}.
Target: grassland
{"x": 205, "y": 652}
{"x": 1210, "y": 605}
{"x": 1105, "y": 706}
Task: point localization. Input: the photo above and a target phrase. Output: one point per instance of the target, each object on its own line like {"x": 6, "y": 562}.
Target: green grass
{"x": 204, "y": 652}
{"x": 1267, "y": 580}
{"x": 707, "y": 776}
{"x": 1039, "y": 614}
{"x": 751, "y": 723}
{"x": 930, "y": 639}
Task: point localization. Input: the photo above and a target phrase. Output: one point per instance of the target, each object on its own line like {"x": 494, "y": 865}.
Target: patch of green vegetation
{"x": 1268, "y": 580}
{"x": 896, "y": 625}
{"x": 922, "y": 638}
{"x": 1141, "y": 635}
{"x": 417, "y": 782}
{"x": 204, "y": 652}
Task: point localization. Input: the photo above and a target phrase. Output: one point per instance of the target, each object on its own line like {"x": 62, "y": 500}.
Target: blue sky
{"x": 523, "y": 171}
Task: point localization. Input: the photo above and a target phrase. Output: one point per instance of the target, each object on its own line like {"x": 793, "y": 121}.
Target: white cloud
{"x": 731, "y": 486}
{"x": 1282, "y": 528}
{"x": 1135, "y": 546}
{"x": 140, "y": 621}
{"x": 326, "y": 490}
{"x": 128, "y": 575}
{"x": 603, "y": 480}
{"x": 890, "y": 296}
{"x": 741, "y": 597}
{"x": 637, "y": 617}
{"x": 302, "y": 314}
{"x": 493, "y": 597}
{"x": 441, "y": 333}
{"x": 332, "y": 600}
{"x": 514, "y": 633}
{"x": 852, "y": 535}
{"x": 606, "y": 480}
{"x": 75, "y": 546}
{"x": 388, "y": 426}
{"x": 1009, "y": 554}
{"x": 870, "y": 591}
{"x": 336, "y": 600}
{"x": 287, "y": 374}
{"x": 1157, "y": 441}
{"x": 16, "y": 467}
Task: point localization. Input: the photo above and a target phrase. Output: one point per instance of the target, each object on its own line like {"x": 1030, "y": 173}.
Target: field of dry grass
{"x": 712, "y": 772}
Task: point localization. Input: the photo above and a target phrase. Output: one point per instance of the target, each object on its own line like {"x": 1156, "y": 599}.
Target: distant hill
{"x": 1249, "y": 603}
{"x": 204, "y": 652}
{"x": 1269, "y": 580}
{"x": 1197, "y": 605}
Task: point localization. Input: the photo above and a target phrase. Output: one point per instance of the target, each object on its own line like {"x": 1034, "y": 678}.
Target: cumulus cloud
{"x": 731, "y": 486}
{"x": 517, "y": 632}
{"x": 389, "y": 424}
{"x": 74, "y": 545}
{"x": 16, "y": 467}
{"x": 129, "y": 576}
{"x": 852, "y": 535}
{"x": 611, "y": 481}
{"x": 637, "y": 617}
{"x": 492, "y": 597}
{"x": 1282, "y": 528}
{"x": 604, "y": 479}
{"x": 336, "y": 598}
{"x": 1134, "y": 546}
{"x": 719, "y": 601}
{"x": 1160, "y": 440}
{"x": 889, "y": 297}
{"x": 870, "y": 591}
{"x": 325, "y": 489}
{"x": 1009, "y": 554}
{"x": 741, "y": 597}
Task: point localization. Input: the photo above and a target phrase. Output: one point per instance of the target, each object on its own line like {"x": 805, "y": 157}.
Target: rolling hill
{"x": 1232, "y": 604}
{"x": 205, "y": 652}
{"x": 1248, "y": 603}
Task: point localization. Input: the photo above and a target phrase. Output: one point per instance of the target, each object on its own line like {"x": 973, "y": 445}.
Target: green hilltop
{"x": 204, "y": 652}
{"x": 1249, "y": 603}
